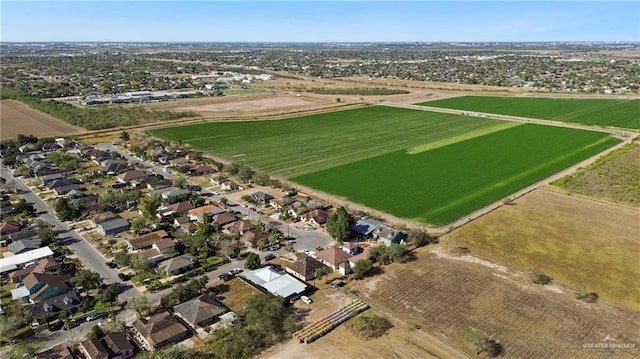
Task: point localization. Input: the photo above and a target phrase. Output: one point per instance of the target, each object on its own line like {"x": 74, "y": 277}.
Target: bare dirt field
{"x": 252, "y": 105}
{"x": 446, "y": 296}
{"x": 399, "y": 342}
{"x": 17, "y": 118}
{"x": 574, "y": 240}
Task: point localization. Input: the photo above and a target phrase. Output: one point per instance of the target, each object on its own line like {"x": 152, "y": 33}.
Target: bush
{"x": 539, "y": 277}
{"x": 370, "y": 327}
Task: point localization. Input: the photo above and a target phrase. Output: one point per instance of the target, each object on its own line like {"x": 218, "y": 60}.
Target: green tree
{"x": 124, "y": 135}
{"x": 140, "y": 305}
{"x": 149, "y": 207}
{"x": 65, "y": 210}
{"x": 45, "y": 233}
{"x": 24, "y": 171}
{"x": 337, "y": 225}
{"x": 252, "y": 262}
{"x": 22, "y": 206}
{"x": 138, "y": 224}
{"x": 418, "y": 238}
{"x": 87, "y": 279}
{"x": 361, "y": 268}
{"x": 95, "y": 332}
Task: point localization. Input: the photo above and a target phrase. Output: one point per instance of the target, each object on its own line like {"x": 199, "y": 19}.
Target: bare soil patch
{"x": 445, "y": 297}
{"x": 573, "y": 240}
{"x": 17, "y": 118}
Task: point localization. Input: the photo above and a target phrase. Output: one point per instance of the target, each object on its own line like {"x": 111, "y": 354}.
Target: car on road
{"x": 291, "y": 241}
{"x": 96, "y": 316}
{"x": 269, "y": 257}
{"x": 306, "y": 299}
{"x": 124, "y": 276}
{"x": 235, "y": 271}
{"x": 112, "y": 265}
{"x": 274, "y": 247}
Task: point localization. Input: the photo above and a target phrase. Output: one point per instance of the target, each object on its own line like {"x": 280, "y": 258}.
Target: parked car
{"x": 96, "y": 316}
{"x": 306, "y": 299}
{"x": 112, "y": 265}
{"x": 225, "y": 277}
{"x": 235, "y": 271}
{"x": 274, "y": 247}
{"x": 124, "y": 277}
{"x": 269, "y": 257}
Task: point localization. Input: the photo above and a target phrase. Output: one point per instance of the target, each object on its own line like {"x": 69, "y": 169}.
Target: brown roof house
{"x": 316, "y": 217}
{"x": 336, "y": 259}
{"x": 9, "y": 227}
{"x": 304, "y": 267}
{"x": 60, "y": 351}
{"x": 252, "y": 236}
{"x": 177, "y": 209}
{"x": 112, "y": 346}
{"x": 42, "y": 266}
{"x": 201, "y": 311}
{"x": 159, "y": 330}
{"x": 159, "y": 251}
{"x": 239, "y": 226}
{"x": 145, "y": 241}
{"x": 133, "y": 176}
{"x": 225, "y": 218}
{"x": 198, "y": 213}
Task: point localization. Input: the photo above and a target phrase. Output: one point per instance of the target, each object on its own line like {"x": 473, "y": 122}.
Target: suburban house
{"x": 24, "y": 245}
{"x": 316, "y": 217}
{"x": 177, "y": 265}
{"x": 252, "y": 236}
{"x": 200, "y": 170}
{"x": 336, "y": 259}
{"x": 281, "y": 285}
{"x": 40, "y": 286}
{"x": 101, "y": 217}
{"x": 113, "y": 226}
{"x": 180, "y": 161}
{"x": 210, "y": 210}
{"x": 174, "y": 194}
{"x": 230, "y": 186}
{"x": 146, "y": 241}
{"x": 304, "y": 268}
{"x": 42, "y": 266}
{"x": 219, "y": 180}
{"x": 60, "y": 351}
{"x": 87, "y": 204}
{"x": 364, "y": 255}
{"x": 158, "y": 251}
{"x": 200, "y": 311}
{"x": 177, "y": 209}
{"x": 26, "y": 259}
{"x": 9, "y": 227}
{"x": 55, "y": 305}
{"x": 159, "y": 330}
{"x": 113, "y": 167}
{"x": 239, "y": 226}
{"x": 183, "y": 224}
{"x": 112, "y": 346}
{"x": 364, "y": 227}
{"x": 132, "y": 176}
{"x": 261, "y": 197}
{"x": 225, "y": 218}
{"x": 389, "y": 235}
{"x": 159, "y": 184}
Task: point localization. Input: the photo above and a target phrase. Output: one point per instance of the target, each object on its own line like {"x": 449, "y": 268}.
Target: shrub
{"x": 370, "y": 327}
{"x": 539, "y": 277}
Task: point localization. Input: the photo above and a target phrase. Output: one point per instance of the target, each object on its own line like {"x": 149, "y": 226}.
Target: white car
{"x": 306, "y": 299}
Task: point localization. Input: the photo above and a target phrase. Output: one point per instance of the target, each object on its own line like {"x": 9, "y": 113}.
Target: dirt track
{"x": 16, "y": 118}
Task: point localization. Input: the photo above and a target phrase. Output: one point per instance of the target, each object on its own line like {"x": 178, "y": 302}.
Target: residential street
{"x": 84, "y": 250}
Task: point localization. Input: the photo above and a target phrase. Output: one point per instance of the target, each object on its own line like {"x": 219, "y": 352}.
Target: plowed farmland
{"x": 16, "y": 118}
{"x": 446, "y": 296}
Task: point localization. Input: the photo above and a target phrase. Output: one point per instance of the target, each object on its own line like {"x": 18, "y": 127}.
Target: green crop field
{"x": 296, "y": 146}
{"x": 444, "y": 184}
{"x": 427, "y": 166}
{"x": 601, "y": 112}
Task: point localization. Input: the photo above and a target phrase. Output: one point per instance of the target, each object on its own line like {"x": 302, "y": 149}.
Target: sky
{"x": 313, "y": 21}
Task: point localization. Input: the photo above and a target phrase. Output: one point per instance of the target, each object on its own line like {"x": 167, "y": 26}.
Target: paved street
{"x": 84, "y": 250}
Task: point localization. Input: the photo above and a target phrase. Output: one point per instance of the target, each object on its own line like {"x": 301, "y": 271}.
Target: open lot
{"x": 445, "y": 296}
{"x": 17, "y": 118}
{"x": 440, "y": 166}
{"x": 573, "y": 240}
{"x": 601, "y": 112}
{"x": 616, "y": 178}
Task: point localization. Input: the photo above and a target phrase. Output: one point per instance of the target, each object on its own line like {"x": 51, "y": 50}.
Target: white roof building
{"x": 276, "y": 283}
{"x": 18, "y": 261}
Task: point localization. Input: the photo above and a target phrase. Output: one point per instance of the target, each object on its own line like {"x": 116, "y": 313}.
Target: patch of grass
{"x": 234, "y": 293}
{"x": 292, "y": 147}
{"x": 601, "y": 112}
{"x": 615, "y": 177}
{"x": 439, "y": 186}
